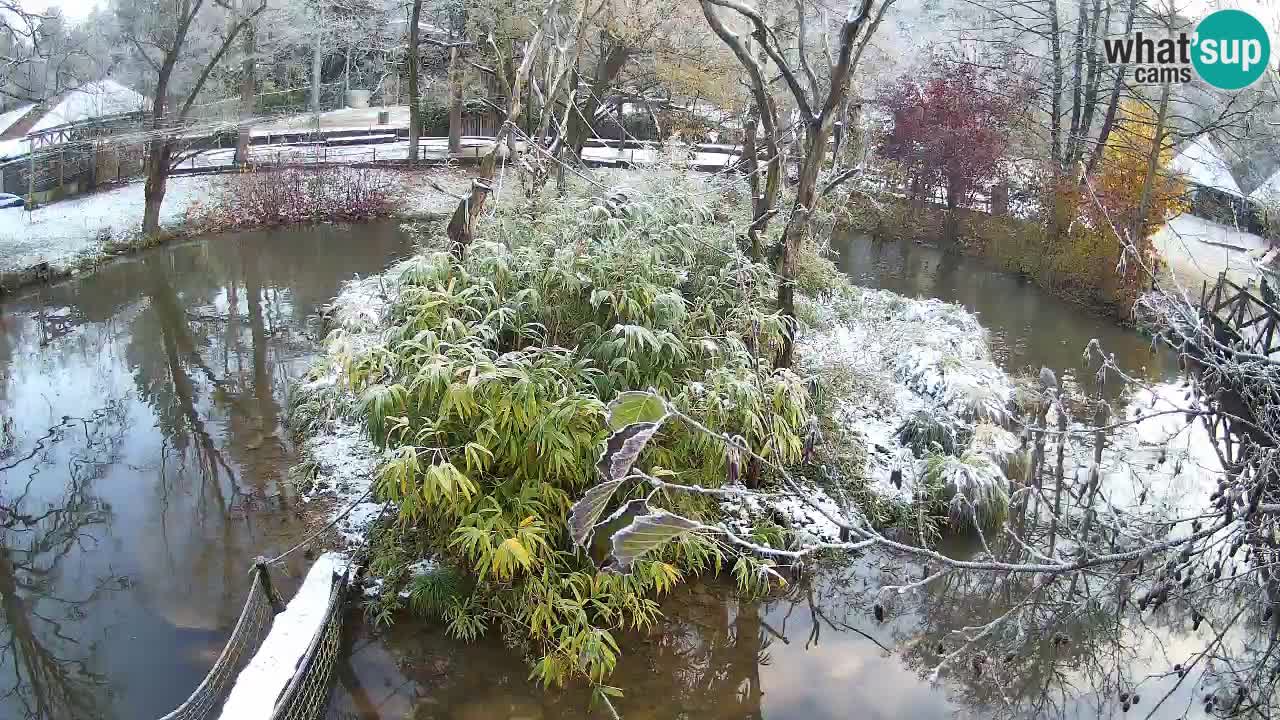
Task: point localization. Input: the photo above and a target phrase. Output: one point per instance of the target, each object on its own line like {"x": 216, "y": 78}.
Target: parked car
{"x": 8, "y": 200}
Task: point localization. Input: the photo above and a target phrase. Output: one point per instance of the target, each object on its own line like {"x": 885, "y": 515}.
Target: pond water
{"x": 817, "y": 652}
{"x": 143, "y": 461}
{"x": 143, "y": 464}
{"x": 1029, "y": 328}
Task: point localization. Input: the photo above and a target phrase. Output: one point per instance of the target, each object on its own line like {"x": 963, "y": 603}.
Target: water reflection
{"x": 143, "y": 461}
{"x": 815, "y": 652}
{"x": 1029, "y": 328}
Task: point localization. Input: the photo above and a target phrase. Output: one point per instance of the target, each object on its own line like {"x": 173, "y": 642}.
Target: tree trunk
{"x": 315, "y": 68}
{"x": 247, "y": 88}
{"x": 794, "y": 234}
{"x": 1137, "y": 231}
{"x": 455, "y": 101}
{"x": 607, "y": 69}
{"x": 1093, "y": 78}
{"x": 1053, "y": 226}
{"x": 158, "y": 151}
{"x": 1108, "y": 121}
{"x": 415, "y": 101}
{"x": 752, "y": 165}
{"x": 1077, "y": 84}
{"x": 461, "y": 228}
{"x": 1055, "y": 90}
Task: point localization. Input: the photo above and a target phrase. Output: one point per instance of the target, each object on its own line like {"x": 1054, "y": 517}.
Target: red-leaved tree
{"x": 950, "y": 129}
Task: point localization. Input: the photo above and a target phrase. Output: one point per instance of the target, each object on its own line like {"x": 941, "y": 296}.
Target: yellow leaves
{"x": 497, "y": 547}
{"x": 444, "y": 482}
{"x": 1109, "y": 207}
{"x": 511, "y": 556}
{"x": 459, "y": 399}
{"x": 665, "y": 577}
{"x": 478, "y": 457}
{"x": 404, "y": 481}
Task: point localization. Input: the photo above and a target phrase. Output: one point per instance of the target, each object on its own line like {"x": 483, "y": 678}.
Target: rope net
{"x": 251, "y": 629}
{"x": 307, "y": 694}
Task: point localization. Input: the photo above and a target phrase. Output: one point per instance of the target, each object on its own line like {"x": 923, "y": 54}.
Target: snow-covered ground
{"x": 884, "y": 359}
{"x": 892, "y": 357}
{"x": 337, "y": 120}
{"x": 344, "y": 461}
{"x": 437, "y": 150}
{"x": 68, "y": 233}
{"x": 1197, "y": 250}
{"x": 432, "y": 149}
{"x": 75, "y": 233}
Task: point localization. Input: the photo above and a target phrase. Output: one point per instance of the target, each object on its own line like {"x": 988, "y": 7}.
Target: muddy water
{"x": 817, "y": 652}
{"x": 143, "y": 461}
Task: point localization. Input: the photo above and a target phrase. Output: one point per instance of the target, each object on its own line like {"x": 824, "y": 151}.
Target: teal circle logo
{"x": 1232, "y": 49}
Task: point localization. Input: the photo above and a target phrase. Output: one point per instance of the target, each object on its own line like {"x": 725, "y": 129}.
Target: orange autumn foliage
{"x": 1100, "y": 213}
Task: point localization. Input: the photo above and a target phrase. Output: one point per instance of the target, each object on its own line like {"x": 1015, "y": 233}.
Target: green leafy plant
{"x": 523, "y": 395}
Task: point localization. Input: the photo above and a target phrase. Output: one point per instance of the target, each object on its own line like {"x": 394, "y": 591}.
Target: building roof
{"x": 103, "y": 98}
{"x": 11, "y": 117}
{"x": 1202, "y": 164}
{"x": 1269, "y": 191}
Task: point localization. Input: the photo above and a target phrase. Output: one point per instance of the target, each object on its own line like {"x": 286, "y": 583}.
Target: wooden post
{"x": 31, "y": 175}
{"x": 260, "y": 567}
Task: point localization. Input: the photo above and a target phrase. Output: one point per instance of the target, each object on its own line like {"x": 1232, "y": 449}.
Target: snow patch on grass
{"x": 886, "y": 358}
{"x": 883, "y": 362}
{"x": 345, "y": 466}
{"x": 343, "y": 461}
{"x": 72, "y": 233}
{"x": 743, "y": 512}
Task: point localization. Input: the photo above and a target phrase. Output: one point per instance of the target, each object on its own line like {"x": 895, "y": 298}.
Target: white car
{"x": 8, "y": 200}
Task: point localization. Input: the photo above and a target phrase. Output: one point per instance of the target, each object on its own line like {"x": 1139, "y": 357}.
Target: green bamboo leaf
{"x": 647, "y": 533}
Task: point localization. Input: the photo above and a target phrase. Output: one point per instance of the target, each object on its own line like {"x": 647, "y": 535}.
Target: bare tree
{"x": 816, "y": 108}
{"x": 166, "y": 35}
{"x": 412, "y": 69}
{"x": 461, "y": 227}
{"x": 248, "y": 88}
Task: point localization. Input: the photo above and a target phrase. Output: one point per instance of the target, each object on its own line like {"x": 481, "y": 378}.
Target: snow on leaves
{"x": 587, "y": 511}
{"x": 636, "y": 407}
{"x": 635, "y": 418}
{"x": 647, "y": 533}
{"x": 622, "y": 449}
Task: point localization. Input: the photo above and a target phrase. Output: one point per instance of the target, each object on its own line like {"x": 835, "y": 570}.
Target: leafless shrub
{"x": 281, "y": 197}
